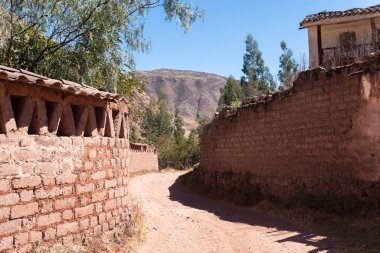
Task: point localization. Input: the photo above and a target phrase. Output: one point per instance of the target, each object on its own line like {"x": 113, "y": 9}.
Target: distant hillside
{"x": 194, "y": 93}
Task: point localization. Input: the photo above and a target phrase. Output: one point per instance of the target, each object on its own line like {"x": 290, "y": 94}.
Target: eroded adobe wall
{"x": 143, "y": 159}
{"x": 65, "y": 161}
{"x": 323, "y": 137}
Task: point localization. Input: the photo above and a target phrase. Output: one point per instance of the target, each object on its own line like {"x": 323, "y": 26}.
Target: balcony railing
{"x": 339, "y": 56}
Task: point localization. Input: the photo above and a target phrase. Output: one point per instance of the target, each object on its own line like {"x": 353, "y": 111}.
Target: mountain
{"x": 194, "y": 93}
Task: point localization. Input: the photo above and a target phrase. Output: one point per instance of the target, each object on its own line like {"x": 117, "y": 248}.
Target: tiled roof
{"x": 23, "y": 76}
{"x": 338, "y": 14}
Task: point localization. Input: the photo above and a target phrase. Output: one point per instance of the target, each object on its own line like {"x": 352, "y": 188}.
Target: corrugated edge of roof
{"x": 338, "y": 14}
{"x": 24, "y": 76}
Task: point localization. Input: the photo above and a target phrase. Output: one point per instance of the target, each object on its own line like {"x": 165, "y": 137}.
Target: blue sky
{"x": 217, "y": 44}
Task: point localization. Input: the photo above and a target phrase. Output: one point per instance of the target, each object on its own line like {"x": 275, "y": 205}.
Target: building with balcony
{"x": 342, "y": 37}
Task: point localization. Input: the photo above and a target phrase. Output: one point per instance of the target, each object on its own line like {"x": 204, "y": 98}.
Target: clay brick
{"x": 9, "y": 199}
{"x": 10, "y": 227}
{"x": 67, "y": 228}
{"x": 35, "y": 236}
{"x": 92, "y": 154}
{"x": 66, "y": 191}
{"x": 110, "y": 183}
{"x": 49, "y": 234}
{"x": 84, "y": 188}
{"x": 24, "y": 210}
{"x": 26, "y": 248}
{"x": 8, "y": 170}
{"x": 49, "y": 169}
{"x": 65, "y": 203}
{"x": 66, "y": 179}
{"x": 46, "y": 207}
{"x": 5, "y": 185}
{"x": 44, "y": 194}
{"x": 28, "y": 223}
{"x": 110, "y": 204}
{"x": 68, "y": 215}
{"x": 97, "y": 230}
{"x": 98, "y": 207}
{"x": 84, "y": 201}
{"x": 99, "y": 196}
{"x": 93, "y": 221}
{"x": 99, "y": 175}
{"x": 68, "y": 240}
{"x": 84, "y": 224}
{"x": 105, "y": 227}
{"x": 84, "y": 211}
{"x": 6, "y": 243}
{"x": 21, "y": 239}
{"x": 5, "y": 213}
{"x": 48, "y": 181}
{"x": 67, "y": 166}
{"x": 89, "y": 165}
{"x": 102, "y": 218}
{"x": 26, "y": 195}
{"x": 49, "y": 219}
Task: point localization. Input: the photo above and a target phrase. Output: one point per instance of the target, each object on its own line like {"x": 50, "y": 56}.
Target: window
{"x": 347, "y": 41}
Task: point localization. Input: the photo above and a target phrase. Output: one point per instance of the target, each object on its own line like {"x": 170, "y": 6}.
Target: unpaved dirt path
{"x": 178, "y": 220}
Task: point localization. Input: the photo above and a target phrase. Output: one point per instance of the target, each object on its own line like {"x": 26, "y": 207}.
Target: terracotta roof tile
{"x": 24, "y": 76}
{"x": 338, "y": 14}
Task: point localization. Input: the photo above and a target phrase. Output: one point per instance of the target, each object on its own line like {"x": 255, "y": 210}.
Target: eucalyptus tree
{"x": 89, "y": 41}
{"x": 256, "y": 75}
{"x": 289, "y": 67}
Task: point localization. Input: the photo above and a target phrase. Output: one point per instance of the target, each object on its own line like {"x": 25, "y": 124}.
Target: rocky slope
{"x": 194, "y": 93}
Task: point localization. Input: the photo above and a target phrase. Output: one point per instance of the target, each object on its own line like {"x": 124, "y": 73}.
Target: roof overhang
{"x": 339, "y": 20}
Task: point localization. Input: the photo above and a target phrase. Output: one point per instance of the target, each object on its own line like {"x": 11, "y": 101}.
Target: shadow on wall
{"x": 231, "y": 213}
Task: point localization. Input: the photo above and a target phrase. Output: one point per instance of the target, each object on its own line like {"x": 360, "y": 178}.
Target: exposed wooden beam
{"x": 7, "y": 119}
{"x": 320, "y": 49}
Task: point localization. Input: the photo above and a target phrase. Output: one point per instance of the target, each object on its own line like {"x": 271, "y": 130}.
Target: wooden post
{"x": 320, "y": 49}
{"x": 374, "y": 34}
{"x": 7, "y": 118}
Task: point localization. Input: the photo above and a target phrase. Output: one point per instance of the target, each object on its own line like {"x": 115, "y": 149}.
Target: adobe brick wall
{"x": 143, "y": 159}
{"x": 65, "y": 161}
{"x": 61, "y": 189}
{"x": 321, "y": 137}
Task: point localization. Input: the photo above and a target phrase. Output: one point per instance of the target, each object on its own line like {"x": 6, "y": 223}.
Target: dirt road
{"x": 180, "y": 221}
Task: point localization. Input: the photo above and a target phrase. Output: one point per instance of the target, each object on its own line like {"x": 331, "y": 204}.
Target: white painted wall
{"x": 330, "y": 36}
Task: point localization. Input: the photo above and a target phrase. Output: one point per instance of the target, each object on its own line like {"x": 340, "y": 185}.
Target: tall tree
{"x": 231, "y": 94}
{"x": 179, "y": 132}
{"x": 288, "y": 67}
{"x": 158, "y": 122}
{"x": 87, "y": 41}
{"x": 256, "y": 75}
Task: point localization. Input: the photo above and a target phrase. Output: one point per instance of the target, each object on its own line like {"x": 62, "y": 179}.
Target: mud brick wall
{"x": 65, "y": 160}
{"x": 321, "y": 137}
{"x": 143, "y": 159}
{"x": 61, "y": 189}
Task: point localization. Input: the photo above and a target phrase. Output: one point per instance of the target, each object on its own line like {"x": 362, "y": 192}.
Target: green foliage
{"x": 256, "y": 75}
{"x": 179, "y": 132}
{"x": 231, "y": 94}
{"x": 202, "y": 122}
{"x": 288, "y": 67}
{"x": 86, "y": 41}
{"x": 166, "y": 132}
{"x": 158, "y": 123}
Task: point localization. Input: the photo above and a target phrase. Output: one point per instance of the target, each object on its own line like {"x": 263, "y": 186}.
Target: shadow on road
{"x": 228, "y": 212}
